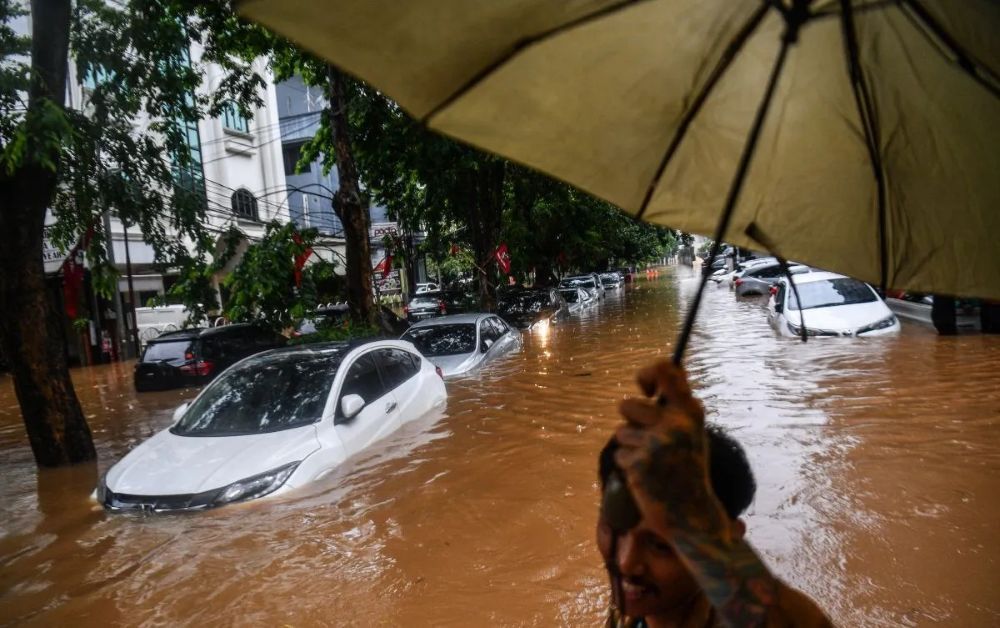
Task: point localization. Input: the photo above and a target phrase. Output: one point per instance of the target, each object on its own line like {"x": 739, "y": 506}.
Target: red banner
{"x": 502, "y": 256}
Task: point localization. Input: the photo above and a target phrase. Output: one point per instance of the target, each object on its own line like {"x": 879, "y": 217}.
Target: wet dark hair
{"x": 729, "y": 470}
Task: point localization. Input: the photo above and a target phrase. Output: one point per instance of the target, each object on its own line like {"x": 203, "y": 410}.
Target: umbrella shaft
{"x": 733, "y": 197}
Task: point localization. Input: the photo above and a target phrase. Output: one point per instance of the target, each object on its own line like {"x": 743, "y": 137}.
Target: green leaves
{"x": 39, "y": 140}
{"x": 262, "y": 288}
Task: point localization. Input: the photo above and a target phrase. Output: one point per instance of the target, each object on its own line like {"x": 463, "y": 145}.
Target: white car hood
{"x": 168, "y": 464}
{"x": 841, "y": 318}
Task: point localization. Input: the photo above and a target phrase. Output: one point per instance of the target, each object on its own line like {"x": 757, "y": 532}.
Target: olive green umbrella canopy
{"x": 876, "y": 148}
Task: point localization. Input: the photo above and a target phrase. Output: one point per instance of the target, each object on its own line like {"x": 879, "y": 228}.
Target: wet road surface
{"x": 877, "y": 460}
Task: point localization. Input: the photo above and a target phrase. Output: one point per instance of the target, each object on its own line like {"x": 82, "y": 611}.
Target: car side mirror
{"x": 350, "y": 405}
{"x": 181, "y": 409}
{"x": 486, "y": 345}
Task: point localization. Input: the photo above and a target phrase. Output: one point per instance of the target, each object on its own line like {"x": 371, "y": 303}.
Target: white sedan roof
{"x": 818, "y": 275}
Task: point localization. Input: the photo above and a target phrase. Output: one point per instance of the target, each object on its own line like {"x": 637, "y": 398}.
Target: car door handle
{"x": 389, "y": 407}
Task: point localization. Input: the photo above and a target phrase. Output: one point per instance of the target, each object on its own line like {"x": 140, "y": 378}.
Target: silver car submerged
{"x": 463, "y": 342}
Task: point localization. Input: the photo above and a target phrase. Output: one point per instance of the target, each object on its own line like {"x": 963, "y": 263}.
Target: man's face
{"x": 654, "y": 581}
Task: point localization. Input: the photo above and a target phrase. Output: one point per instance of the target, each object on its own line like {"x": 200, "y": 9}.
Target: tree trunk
{"x": 351, "y": 206}
{"x": 31, "y": 330}
{"x": 485, "y": 206}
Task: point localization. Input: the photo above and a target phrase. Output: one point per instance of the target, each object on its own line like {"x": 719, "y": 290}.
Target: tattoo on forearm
{"x": 732, "y": 576}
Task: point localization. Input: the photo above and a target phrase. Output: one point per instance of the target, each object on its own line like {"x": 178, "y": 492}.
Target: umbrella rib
{"x": 976, "y": 70}
{"x": 734, "y": 192}
{"x": 728, "y": 56}
{"x": 862, "y": 99}
{"x": 519, "y": 47}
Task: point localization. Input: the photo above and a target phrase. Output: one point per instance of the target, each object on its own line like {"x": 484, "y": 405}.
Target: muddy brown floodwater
{"x": 878, "y": 464}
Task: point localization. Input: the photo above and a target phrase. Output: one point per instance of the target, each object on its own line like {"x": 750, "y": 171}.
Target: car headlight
{"x": 255, "y": 486}
{"x": 885, "y": 323}
{"x": 795, "y": 329}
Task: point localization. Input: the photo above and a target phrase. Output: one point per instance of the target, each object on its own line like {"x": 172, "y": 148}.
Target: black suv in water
{"x": 192, "y": 357}
{"x": 524, "y": 308}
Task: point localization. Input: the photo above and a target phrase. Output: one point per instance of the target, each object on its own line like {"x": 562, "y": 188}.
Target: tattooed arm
{"x": 664, "y": 453}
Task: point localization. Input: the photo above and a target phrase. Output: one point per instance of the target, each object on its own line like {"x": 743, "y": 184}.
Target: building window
{"x": 244, "y": 205}
{"x": 292, "y": 153}
{"x": 233, "y": 119}
{"x": 95, "y": 76}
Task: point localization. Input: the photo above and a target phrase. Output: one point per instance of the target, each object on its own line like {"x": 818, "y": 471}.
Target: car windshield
{"x": 264, "y": 394}
{"x": 438, "y": 340}
{"x": 166, "y": 351}
{"x": 571, "y": 296}
{"x": 583, "y": 283}
{"x": 524, "y": 303}
{"x": 608, "y": 279}
{"x": 844, "y": 291}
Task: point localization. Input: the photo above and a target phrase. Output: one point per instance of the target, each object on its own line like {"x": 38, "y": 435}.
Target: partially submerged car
{"x": 441, "y": 303}
{"x": 463, "y": 342}
{"x": 576, "y": 299}
{"x": 587, "y": 282}
{"x": 757, "y": 281}
{"x": 193, "y": 357}
{"x": 831, "y": 305}
{"x": 275, "y": 422}
{"x": 525, "y": 308}
{"x": 611, "y": 281}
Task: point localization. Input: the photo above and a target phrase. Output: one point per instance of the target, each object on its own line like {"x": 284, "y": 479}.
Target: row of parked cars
{"x": 272, "y": 419}
{"x": 807, "y": 301}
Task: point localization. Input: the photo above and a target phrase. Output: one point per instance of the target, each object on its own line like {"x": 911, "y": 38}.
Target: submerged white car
{"x": 463, "y": 342}
{"x": 832, "y": 305}
{"x": 274, "y": 422}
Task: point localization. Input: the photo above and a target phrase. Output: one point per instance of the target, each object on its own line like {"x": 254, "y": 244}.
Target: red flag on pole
{"x": 72, "y": 282}
{"x": 384, "y": 267}
{"x": 73, "y": 272}
{"x": 503, "y": 258}
{"x": 300, "y": 260}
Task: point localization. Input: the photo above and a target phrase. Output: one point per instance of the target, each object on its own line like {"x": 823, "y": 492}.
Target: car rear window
{"x": 426, "y": 299}
{"x": 437, "y": 340}
{"x": 264, "y": 394}
{"x": 167, "y": 350}
{"x": 843, "y": 291}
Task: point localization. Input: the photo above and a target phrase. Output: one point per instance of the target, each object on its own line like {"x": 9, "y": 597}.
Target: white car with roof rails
{"x": 832, "y": 306}
{"x": 463, "y": 342}
{"x": 274, "y": 422}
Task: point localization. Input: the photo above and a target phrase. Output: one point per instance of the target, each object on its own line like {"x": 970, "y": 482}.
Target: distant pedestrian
{"x": 107, "y": 347}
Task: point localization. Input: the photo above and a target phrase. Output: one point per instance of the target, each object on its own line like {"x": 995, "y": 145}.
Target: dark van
{"x": 192, "y": 357}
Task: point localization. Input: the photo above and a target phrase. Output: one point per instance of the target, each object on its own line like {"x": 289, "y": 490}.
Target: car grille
{"x": 158, "y": 503}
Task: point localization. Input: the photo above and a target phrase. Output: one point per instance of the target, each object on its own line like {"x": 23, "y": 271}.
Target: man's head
{"x": 654, "y": 581}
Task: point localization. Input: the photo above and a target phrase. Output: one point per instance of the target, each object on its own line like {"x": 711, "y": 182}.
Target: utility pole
{"x": 131, "y": 295}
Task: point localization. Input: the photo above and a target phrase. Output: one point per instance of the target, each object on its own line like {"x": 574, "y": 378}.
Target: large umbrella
{"x": 861, "y": 136}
